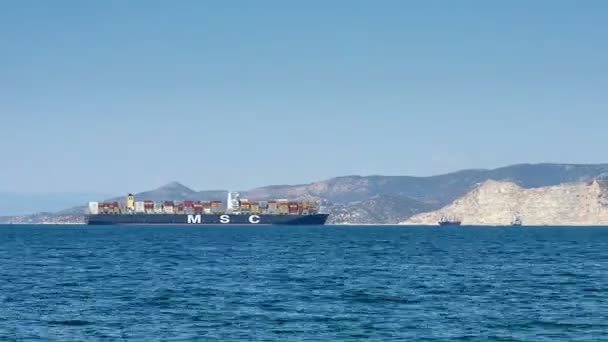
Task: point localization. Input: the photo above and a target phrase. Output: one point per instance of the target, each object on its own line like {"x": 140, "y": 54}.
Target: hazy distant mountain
{"x": 175, "y": 191}
{"x": 21, "y": 204}
{"x": 389, "y": 199}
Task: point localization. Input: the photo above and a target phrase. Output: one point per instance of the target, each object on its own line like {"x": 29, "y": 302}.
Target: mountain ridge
{"x": 396, "y": 197}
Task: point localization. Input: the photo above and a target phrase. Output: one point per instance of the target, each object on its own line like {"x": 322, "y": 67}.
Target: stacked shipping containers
{"x": 197, "y": 207}
{"x": 273, "y": 207}
{"x": 139, "y": 207}
{"x": 305, "y": 207}
{"x": 168, "y": 207}
{"x": 179, "y": 208}
{"x": 188, "y": 207}
{"x": 216, "y": 207}
{"x": 149, "y": 207}
{"x": 244, "y": 206}
{"x": 294, "y": 208}
{"x": 283, "y": 206}
{"x": 263, "y": 207}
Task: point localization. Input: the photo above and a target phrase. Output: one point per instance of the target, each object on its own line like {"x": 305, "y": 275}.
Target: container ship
{"x": 235, "y": 211}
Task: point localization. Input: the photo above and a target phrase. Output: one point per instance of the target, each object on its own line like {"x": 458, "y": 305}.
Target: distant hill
{"x": 438, "y": 190}
{"x": 389, "y": 199}
{"x": 178, "y": 192}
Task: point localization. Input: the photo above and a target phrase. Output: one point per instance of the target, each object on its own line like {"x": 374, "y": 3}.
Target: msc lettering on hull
{"x": 194, "y": 219}
{"x": 198, "y": 219}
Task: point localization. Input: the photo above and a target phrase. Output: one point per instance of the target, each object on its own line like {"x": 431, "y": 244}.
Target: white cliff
{"x": 496, "y": 202}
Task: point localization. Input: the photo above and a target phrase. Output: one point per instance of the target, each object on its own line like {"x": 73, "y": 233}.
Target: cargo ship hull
{"x": 205, "y": 219}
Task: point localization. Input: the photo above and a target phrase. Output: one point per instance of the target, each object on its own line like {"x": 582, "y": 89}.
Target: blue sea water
{"x": 78, "y": 283}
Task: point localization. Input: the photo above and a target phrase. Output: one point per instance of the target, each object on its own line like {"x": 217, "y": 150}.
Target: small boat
{"x": 516, "y": 221}
{"x": 449, "y": 221}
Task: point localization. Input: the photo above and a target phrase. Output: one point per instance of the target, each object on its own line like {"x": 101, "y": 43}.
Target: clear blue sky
{"x": 116, "y": 96}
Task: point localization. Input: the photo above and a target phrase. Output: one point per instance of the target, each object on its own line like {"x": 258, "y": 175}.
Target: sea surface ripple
{"x": 78, "y": 283}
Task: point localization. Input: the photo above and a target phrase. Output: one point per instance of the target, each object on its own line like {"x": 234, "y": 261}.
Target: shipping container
{"x": 115, "y": 208}
{"x": 93, "y": 208}
{"x": 273, "y": 207}
{"x": 294, "y": 208}
{"x": 283, "y": 208}
{"x": 139, "y": 207}
{"x": 149, "y": 206}
{"x": 216, "y": 207}
{"x": 244, "y": 205}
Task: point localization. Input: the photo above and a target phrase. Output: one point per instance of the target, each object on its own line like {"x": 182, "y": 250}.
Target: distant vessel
{"x": 235, "y": 211}
{"x": 449, "y": 221}
{"x": 516, "y": 221}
